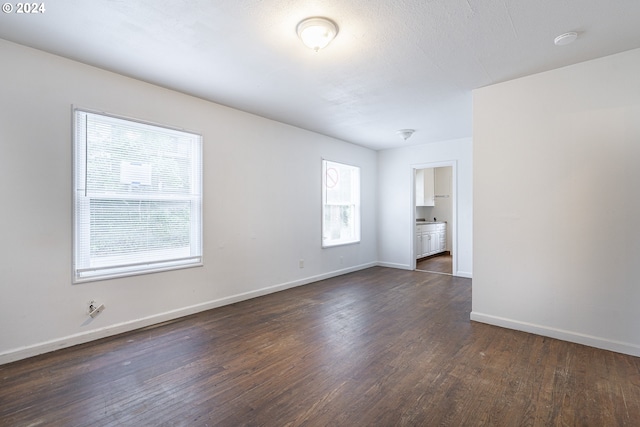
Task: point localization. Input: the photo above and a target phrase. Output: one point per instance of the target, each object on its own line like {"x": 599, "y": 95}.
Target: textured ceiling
{"x": 395, "y": 64}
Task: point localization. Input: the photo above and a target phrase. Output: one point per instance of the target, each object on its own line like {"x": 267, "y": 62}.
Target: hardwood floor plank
{"x": 377, "y": 347}
{"x": 441, "y": 263}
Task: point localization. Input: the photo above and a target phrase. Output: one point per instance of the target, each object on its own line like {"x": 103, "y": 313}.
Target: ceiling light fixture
{"x": 405, "y": 133}
{"x": 317, "y": 32}
{"x": 566, "y": 38}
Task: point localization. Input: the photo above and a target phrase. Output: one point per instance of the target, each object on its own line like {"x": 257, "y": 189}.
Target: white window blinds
{"x": 137, "y": 197}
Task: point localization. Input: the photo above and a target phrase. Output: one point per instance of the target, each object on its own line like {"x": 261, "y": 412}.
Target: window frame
{"x": 356, "y": 205}
{"x": 82, "y": 272}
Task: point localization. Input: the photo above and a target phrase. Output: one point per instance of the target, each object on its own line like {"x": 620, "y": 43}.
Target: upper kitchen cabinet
{"x": 442, "y": 183}
{"x": 425, "y": 193}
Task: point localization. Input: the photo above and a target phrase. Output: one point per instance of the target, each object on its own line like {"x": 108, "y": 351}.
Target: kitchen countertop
{"x": 418, "y": 222}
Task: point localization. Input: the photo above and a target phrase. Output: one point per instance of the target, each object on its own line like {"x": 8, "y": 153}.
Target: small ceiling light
{"x": 405, "y": 133}
{"x": 316, "y": 33}
{"x": 566, "y": 38}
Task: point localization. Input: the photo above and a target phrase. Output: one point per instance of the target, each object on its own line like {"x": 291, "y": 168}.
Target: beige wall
{"x": 556, "y": 162}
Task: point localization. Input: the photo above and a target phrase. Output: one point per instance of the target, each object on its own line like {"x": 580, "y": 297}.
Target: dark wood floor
{"x": 380, "y": 347}
{"x": 442, "y": 263}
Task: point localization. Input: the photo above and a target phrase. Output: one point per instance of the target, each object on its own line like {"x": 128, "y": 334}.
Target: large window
{"x": 137, "y": 197}
{"x": 340, "y": 204}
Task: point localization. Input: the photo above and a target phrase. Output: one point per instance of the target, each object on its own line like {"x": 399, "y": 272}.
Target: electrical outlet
{"x": 301, "y": 263}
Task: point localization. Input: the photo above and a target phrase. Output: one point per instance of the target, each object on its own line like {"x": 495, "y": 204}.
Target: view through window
{"x": 137, "y": 197}
{"x": 340, "y": 204}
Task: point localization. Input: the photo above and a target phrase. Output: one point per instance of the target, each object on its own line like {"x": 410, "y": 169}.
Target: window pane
{"x": 341, "y": 203}
{"x": 128, "y": 157}
{"x": 339, "y": 223}
{"x": 131, "y": 226}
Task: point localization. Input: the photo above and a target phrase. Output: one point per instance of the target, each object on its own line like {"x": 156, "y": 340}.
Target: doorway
{"x": 434, "y": 217}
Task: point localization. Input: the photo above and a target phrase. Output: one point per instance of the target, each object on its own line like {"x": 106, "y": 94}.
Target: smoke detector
{"x": 566, "y": 38}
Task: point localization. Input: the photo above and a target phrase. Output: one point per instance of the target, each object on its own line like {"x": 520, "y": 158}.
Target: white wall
{"x": 261, "y": 206}
{"x": 556, "y": 206}
{"x": 395, "y": 203}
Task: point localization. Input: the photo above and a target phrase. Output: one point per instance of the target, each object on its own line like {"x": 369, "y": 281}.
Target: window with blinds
{"x": 340, "y": 204}
{"x": 137, "y": 197}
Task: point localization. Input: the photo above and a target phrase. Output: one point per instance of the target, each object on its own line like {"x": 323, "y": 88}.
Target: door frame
{"x": 454, "y": 210}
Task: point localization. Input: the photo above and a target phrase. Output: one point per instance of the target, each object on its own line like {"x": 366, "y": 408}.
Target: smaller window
{"x": 340, "y": 204}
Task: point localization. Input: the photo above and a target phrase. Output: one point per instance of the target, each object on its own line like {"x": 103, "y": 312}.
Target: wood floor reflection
{"x": 436, "y": 264}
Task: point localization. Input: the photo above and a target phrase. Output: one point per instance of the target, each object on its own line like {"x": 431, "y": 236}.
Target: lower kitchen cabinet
{"x": 430, "y": 239}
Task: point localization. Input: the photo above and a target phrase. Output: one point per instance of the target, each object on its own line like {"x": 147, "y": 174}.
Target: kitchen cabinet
{"x": 433, "y": 243}
{"x": 427, "y": 243}
{"x": 442, "y": 239}
{"x": 425, "y": 187}
{"x": 442, "y": 182}
{"x": 431, "y": 239}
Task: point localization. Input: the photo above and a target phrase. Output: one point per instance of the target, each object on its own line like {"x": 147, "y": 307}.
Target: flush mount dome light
{"x": 316, "y": 33}
{"x": 565, "y": 38}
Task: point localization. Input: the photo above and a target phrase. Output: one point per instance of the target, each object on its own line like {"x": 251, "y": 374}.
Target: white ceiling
{"x": 395, "y": 63}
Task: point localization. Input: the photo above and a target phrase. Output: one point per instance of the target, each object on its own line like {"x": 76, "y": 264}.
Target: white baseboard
{"x": 84, "y": 337}
{"x": 394, "y": 265}
{"x": 561, "y": 334}
{"x": 464, "y": 274}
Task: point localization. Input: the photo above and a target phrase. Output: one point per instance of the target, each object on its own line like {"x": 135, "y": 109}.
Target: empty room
{"x": 219, "y": 213}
